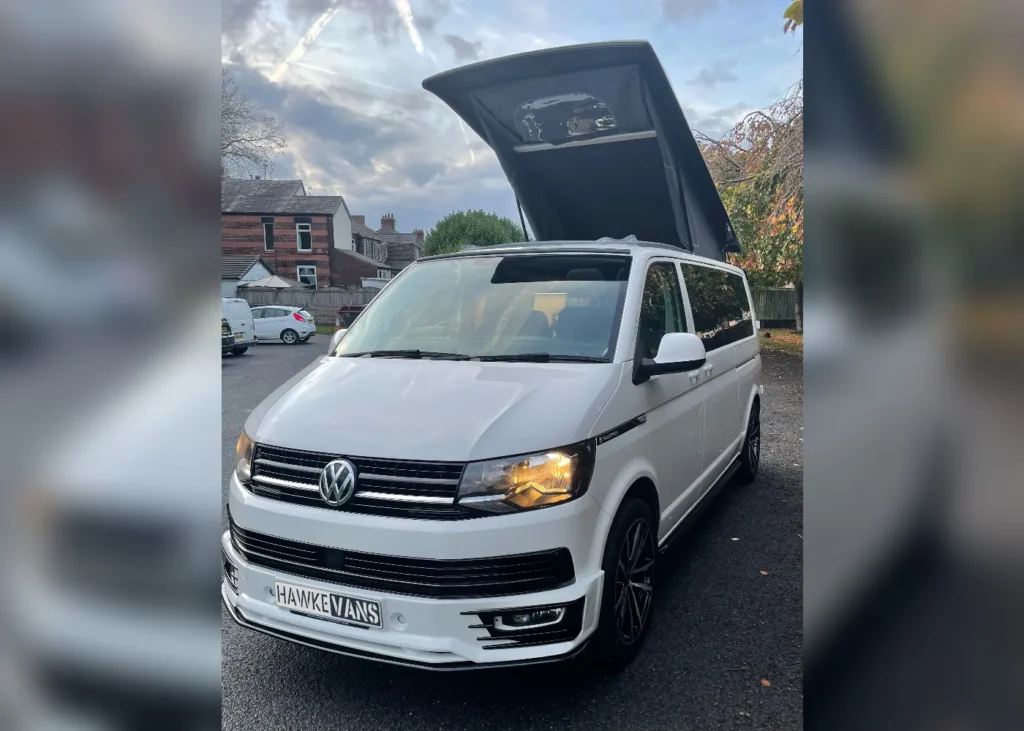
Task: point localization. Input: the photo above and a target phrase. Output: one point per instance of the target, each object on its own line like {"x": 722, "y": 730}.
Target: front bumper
{"x": 434, "y": 633}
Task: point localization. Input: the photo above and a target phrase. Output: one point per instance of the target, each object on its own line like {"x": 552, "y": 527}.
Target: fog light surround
{"x": 529, "y": 619}
{"x": 230, "y": 573}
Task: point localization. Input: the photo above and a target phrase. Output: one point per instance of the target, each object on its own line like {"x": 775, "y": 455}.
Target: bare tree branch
{"x": 250, "y": 138}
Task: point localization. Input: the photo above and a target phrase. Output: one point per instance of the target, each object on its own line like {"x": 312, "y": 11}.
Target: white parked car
{"x": 238, "y": 314}
{"x": 289, "y": 324}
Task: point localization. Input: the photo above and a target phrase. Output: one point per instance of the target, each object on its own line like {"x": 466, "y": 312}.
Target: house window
{"x": 306, "y": 273}
{"x": 304, "y": 236}
{"x": 383, "y": 274}
{"x": 268, "y": 233}
{"x": 358, "y": 244}
{"x": 376, "y": 250}
{"x": 354, "y": 242}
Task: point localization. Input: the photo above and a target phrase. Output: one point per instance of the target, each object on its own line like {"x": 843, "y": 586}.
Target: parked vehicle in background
{"x": 347, "y": 314}
{"x": 288, "y": 324}
{"x": 239, "y": 316}
{"x": 227, "y": 339}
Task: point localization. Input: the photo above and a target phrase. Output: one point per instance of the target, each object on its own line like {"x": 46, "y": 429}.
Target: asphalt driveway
{"x": 725, "y": 650}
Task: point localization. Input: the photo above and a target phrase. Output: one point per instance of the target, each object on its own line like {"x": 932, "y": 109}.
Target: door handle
{"x": 694, "y": 375}
{"x": 708, "y": 368}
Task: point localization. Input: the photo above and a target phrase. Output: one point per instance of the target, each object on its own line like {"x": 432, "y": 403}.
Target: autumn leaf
{"x": 794, "y": 16}
{"x": 765, "y": 683}
{"x": 764, "y": 573}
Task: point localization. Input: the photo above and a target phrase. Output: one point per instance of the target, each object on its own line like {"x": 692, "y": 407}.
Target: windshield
{"x": 539, "y": 305}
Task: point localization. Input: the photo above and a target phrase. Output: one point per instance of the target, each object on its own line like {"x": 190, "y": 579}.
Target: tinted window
{"x": 721, "y": 310}
{"x": 661, "y": 310}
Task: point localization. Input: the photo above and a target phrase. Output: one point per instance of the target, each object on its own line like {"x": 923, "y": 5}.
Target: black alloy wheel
{"x": 634, "y": 582}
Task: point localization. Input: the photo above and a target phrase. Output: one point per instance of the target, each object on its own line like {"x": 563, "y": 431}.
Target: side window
{"x": 661, "y": 310}
{"x": 721, "y": 310}
{"x": 257, "y": 314}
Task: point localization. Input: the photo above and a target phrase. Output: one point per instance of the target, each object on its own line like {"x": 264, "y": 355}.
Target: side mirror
{"x": 677, "y": 353}
{"x": 335, "y": 339}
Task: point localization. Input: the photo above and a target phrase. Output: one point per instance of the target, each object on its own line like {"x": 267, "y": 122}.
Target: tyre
{"x": 290, "y": 337}
{"x": 240, "y": 350}
{"x": 628, "y": 592}
{"x": 750, "y": 459}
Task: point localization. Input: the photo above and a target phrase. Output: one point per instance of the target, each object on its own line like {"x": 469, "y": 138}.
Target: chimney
{"x": 387, "y": 222}
{"x": 419, "y": 235}
{"x": 361, "y": 220}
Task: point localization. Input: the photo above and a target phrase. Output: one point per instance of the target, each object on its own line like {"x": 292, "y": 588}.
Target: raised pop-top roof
{"x": 594, "y": 143}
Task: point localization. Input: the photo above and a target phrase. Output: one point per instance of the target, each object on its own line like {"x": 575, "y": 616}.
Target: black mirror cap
{"x": 644, "y": 368}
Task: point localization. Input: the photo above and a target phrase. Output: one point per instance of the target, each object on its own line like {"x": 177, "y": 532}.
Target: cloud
{"x": 237, "y": 15}
{"x": 383, "y": 150}
{"x": 464, "y": 50}
{"x": 675, "y": 11}
{"x": 423, "y": 173}
{"x": 720, "y": 72}
{"x": 716, "y": 122}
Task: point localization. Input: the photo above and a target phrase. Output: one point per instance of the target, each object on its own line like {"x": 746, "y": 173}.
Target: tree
{"x": 758, "y": 168}
{"x": 470, "y": 228}
{"x": 794, "y": 16}
{"x": 250, "y": 138}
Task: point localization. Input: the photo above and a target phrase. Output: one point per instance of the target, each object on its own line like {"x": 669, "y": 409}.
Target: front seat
{"x": 535, "y": 326}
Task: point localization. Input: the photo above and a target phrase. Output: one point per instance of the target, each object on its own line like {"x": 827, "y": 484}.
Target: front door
{"x": 672, "y": 401}
{"x": 260, "y": 322}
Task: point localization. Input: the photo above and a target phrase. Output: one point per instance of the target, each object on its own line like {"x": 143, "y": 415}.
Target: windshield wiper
{"x": 539, "y": 358}
{"x": 415, "y": 354}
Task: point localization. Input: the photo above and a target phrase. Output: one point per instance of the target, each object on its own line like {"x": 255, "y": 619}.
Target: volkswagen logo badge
{"x": 338, "y": 482}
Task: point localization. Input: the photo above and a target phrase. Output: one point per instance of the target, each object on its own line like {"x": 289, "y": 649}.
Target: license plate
{"x": 239, "y": 336}
{"x": 327, "y": 604}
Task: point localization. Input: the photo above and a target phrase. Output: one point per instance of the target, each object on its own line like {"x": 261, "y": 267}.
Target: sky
{"x": 344, "y": 76}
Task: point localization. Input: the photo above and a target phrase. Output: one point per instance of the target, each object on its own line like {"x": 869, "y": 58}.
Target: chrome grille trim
{"x": 396, "y": 498}
{"x": 417, "y": 480}
{"x": 286, "y": 466}
{"x": 420, "y": 490}
{"x": 278, "y": 482}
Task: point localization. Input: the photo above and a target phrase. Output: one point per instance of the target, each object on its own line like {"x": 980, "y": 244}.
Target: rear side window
{"x": 661, "y": 310}
{"x": 721, "y": 309}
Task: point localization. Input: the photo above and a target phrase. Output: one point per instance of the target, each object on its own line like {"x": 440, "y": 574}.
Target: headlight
{"x": 243, "y": 457}
{"x": 529, "y": 481}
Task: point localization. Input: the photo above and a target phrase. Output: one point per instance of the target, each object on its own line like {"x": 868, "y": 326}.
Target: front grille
{"x": 388, "y": 487}
{"x": 565, "y": 631}
{"x": 438, "y": 578}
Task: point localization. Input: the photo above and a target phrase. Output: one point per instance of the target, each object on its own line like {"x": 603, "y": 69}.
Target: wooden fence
{"x": 323, "y": 304}
{"x": 775, "y": 305}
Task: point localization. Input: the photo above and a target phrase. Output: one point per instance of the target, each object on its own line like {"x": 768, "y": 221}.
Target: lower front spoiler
{"x": 365, "y": 655}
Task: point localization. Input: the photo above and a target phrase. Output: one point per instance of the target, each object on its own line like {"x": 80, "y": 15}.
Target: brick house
{"x": 294, "y": 233}
{"x": 366, "y": 260}
{"x": 402, "y": 248}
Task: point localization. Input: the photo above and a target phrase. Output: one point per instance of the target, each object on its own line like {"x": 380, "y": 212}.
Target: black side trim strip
{"x": 621, "y": 429}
